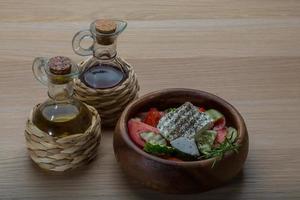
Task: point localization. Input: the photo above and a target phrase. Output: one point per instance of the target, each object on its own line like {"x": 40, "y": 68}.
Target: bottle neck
{"x": 105, "y": 52}
{"x": 60, "y": 92}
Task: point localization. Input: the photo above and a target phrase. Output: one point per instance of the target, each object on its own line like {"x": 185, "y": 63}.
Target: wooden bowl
{"x": 178, "y": 176}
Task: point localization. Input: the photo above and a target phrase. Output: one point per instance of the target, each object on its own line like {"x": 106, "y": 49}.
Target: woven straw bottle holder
{"x": 110, "y": 101}
{"x": 61, "y": 152}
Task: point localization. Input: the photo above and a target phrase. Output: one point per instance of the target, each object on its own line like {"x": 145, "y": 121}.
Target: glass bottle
{"x": 60, "y": 115}
{"x": 104, "y": 69}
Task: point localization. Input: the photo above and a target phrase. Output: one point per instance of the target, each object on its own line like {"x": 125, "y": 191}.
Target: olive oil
{"x": 62, "y": 119}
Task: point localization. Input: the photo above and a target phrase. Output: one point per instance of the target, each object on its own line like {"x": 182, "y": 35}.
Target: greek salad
{"x": 185, "y": 133}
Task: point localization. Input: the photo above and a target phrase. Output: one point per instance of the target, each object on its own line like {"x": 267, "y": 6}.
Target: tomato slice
{"x": 153, "y": 116}
{"x": 220, "y": 124}
{"x": 135, "y": 128}
{"x": 221, "y": 135}
{"x": 201, "y": 109}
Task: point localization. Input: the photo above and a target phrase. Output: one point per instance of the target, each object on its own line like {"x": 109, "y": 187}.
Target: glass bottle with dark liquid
{"x": 102, "y": 76}
{"x": 103, "y": 70}
{"x": 106, "y": 81}
{"x": 61, "y": 115}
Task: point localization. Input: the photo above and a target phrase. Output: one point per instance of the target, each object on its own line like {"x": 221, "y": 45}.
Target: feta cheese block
{"x": 185, "y": 145}
{"x": 184, "y": 121}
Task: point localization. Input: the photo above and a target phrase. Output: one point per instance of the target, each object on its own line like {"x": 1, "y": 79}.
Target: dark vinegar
{"x": 102, "y": 76}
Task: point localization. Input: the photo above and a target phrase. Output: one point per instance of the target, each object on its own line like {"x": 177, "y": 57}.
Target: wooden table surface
{"x": 247, "y": 52}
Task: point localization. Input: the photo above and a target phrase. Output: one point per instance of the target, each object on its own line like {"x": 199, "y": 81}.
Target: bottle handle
{"x": 77, "y": 40}
{"x": 38, "y": 69}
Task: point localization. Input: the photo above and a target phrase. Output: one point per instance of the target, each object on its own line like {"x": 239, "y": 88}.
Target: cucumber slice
{"x": 153, "y": 138}
{"x": 205, "y": 140}
{"x": 232, "y": 134}
{"x": 214, "y": 114}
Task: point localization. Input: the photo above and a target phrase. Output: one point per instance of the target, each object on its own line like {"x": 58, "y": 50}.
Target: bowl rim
{"x": 122, "y": 125}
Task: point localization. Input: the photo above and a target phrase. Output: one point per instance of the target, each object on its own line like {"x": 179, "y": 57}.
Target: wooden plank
{"x": 247, "y": 52}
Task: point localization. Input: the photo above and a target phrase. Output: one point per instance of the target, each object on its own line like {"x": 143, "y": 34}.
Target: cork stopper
{"x": 60, "y": 65}
{"x": 105, "y": 26}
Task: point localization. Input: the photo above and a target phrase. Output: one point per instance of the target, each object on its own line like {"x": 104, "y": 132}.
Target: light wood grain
{"x": 247, "y": 52}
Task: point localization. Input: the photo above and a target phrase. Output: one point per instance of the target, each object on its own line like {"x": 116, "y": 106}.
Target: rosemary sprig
{"x": 219, "y": 151}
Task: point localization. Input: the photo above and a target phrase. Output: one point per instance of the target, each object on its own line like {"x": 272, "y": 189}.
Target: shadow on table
{"x": 231, "y": 190}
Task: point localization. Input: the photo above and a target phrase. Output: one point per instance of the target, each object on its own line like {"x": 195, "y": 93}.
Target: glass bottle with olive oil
{"x": 61, "y": 115}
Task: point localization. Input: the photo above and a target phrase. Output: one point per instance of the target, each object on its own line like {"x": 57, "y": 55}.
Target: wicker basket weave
{"x": 109, "y": 102}
{"x": 61, "y": 154}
